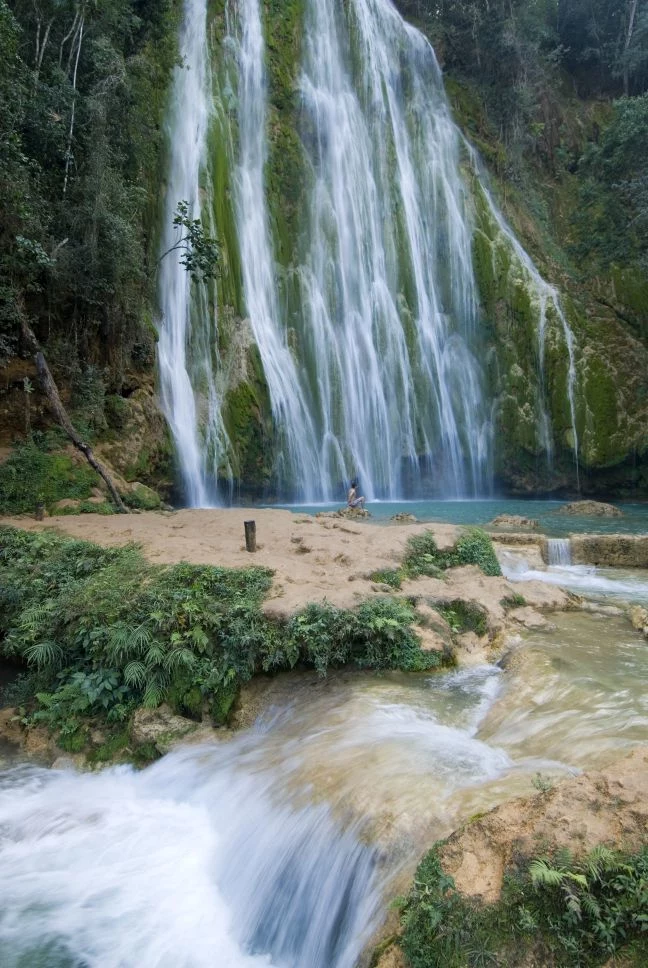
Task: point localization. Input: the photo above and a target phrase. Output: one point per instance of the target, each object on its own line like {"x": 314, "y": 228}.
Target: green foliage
{"x": 476, "y": 548}
{"x": 389, "y": 576}
{"x": 199, "y": 251}
{"x": 82, "y": 97}
{"x": 612, "y": 218}
{"x": 34, "y": 474}
{"x": 103, "y": 631}
{"x": 464, "y": 617}
{"x": 569, "y": 913}
{"x": 422, "y": 557}
{"x": 509, "y": 602}
{"x": 378, "y": 635}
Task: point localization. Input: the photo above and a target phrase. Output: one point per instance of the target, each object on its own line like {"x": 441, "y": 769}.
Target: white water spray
{"x": 290, "y": 409}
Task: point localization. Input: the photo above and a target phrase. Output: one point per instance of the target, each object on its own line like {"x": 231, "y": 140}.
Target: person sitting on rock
{"x": 354, "y": 500}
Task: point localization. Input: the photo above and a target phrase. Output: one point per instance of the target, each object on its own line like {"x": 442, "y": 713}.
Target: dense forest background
{"x": 556, "y": 88}
{"x": 552, "y": 92}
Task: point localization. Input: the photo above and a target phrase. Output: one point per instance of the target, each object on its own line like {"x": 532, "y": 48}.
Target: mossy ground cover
{"x": 100, "y": 631}
{"x": 36, "y": 472}
{"x": 558, "y": 910}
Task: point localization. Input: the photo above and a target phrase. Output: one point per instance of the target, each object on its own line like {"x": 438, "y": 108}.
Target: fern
{"x": 44, "y": 655}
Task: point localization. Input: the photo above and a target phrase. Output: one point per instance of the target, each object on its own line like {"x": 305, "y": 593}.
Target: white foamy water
{"x": 253, "y": 852}
{"x": 584, "y": 579}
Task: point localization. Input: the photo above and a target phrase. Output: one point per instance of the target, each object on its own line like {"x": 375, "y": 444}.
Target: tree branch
{"x": 61, "y": 414}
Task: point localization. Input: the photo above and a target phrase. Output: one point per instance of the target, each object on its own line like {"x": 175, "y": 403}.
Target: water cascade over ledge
{"x": 367, "y": 321}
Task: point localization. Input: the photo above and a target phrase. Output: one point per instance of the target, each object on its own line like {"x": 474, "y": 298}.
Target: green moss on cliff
{"x": 285, "y": 170}
{"x": 246, "y": 415}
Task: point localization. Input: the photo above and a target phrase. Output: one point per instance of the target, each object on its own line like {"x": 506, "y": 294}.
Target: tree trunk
{"x": 626, "y": 47}
{"x": 51, "y": 390}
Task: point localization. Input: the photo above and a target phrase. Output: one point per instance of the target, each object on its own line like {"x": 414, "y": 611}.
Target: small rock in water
{"x": 404, "y": 518}
{"x": 639, "y": 619}
{"x": 595, "y": 509}
{"x": 513, "y": 521}
{"x": 344, "y": 513}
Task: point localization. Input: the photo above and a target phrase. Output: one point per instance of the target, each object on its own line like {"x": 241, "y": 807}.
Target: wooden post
{"x": 40, "y": 511}
{"x": 250, "y": 535}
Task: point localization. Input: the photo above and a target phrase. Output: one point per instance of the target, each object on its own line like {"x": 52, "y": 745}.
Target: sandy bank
{"x": 313, "y": 558}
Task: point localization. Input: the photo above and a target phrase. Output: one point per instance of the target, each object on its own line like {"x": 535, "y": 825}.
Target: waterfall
{"x": 193, "y": 863}
{"x": 388, "y": 302}
{"x": 290, "y": 409}
{"x": 558, "y": 551}
{"x": 386, "y": 273}
{"x": 185, "y": 352}
{"x": 368, "y": 331}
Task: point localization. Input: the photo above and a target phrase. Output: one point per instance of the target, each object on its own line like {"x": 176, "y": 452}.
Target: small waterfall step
{"x": 559, "y": 551}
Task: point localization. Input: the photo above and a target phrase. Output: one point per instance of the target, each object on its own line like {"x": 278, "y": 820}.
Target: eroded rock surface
{"x": 606, "y": 807}
{"x": 513, "y": 521}
{"x": 595, "y": 509}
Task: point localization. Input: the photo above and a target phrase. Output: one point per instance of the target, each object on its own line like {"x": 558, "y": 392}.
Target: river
{"x": 280, "y": 845}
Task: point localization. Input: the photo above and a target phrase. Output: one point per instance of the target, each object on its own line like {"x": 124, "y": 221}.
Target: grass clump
{"x": 101, "y": 631}
{"x": 35, "y": 474}
{"x": 389, "y": 576}
{"x": 509, "y": 602}
{"x": 422, "y": 557}
{"x": 567, "y": 912}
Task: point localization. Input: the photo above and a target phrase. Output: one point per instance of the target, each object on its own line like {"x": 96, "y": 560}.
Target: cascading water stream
{"x": 559, "y": 551}
{"x": 185, "y": 351}
{"x": 395, "y": 375}
{"x": 276, "y": 847}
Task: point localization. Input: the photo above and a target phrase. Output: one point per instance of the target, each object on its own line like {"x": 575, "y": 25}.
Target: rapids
{"x": 277, "y": 846}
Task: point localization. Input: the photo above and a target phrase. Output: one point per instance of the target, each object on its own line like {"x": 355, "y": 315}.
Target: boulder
{"x": 142, "y": 497}
{"x": 513, "y": 521}
{"x": 430, "y": 619}
{"x": 615, "y": 550}
{"x": 431, "y": 641}
{"x": 160, "y": 728}
{"x": 595, "y": 509}
{"x": 404, "y": 518}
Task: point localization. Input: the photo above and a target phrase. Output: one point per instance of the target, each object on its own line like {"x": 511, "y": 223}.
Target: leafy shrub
{"x": 510, "y": 602}
{"x": 570, "y": 913}
{"x": 475, "y": 548}
{"x": 33, "y": 474}
{"x": 378, "y": 635}
{"x": 422, "y": 557}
